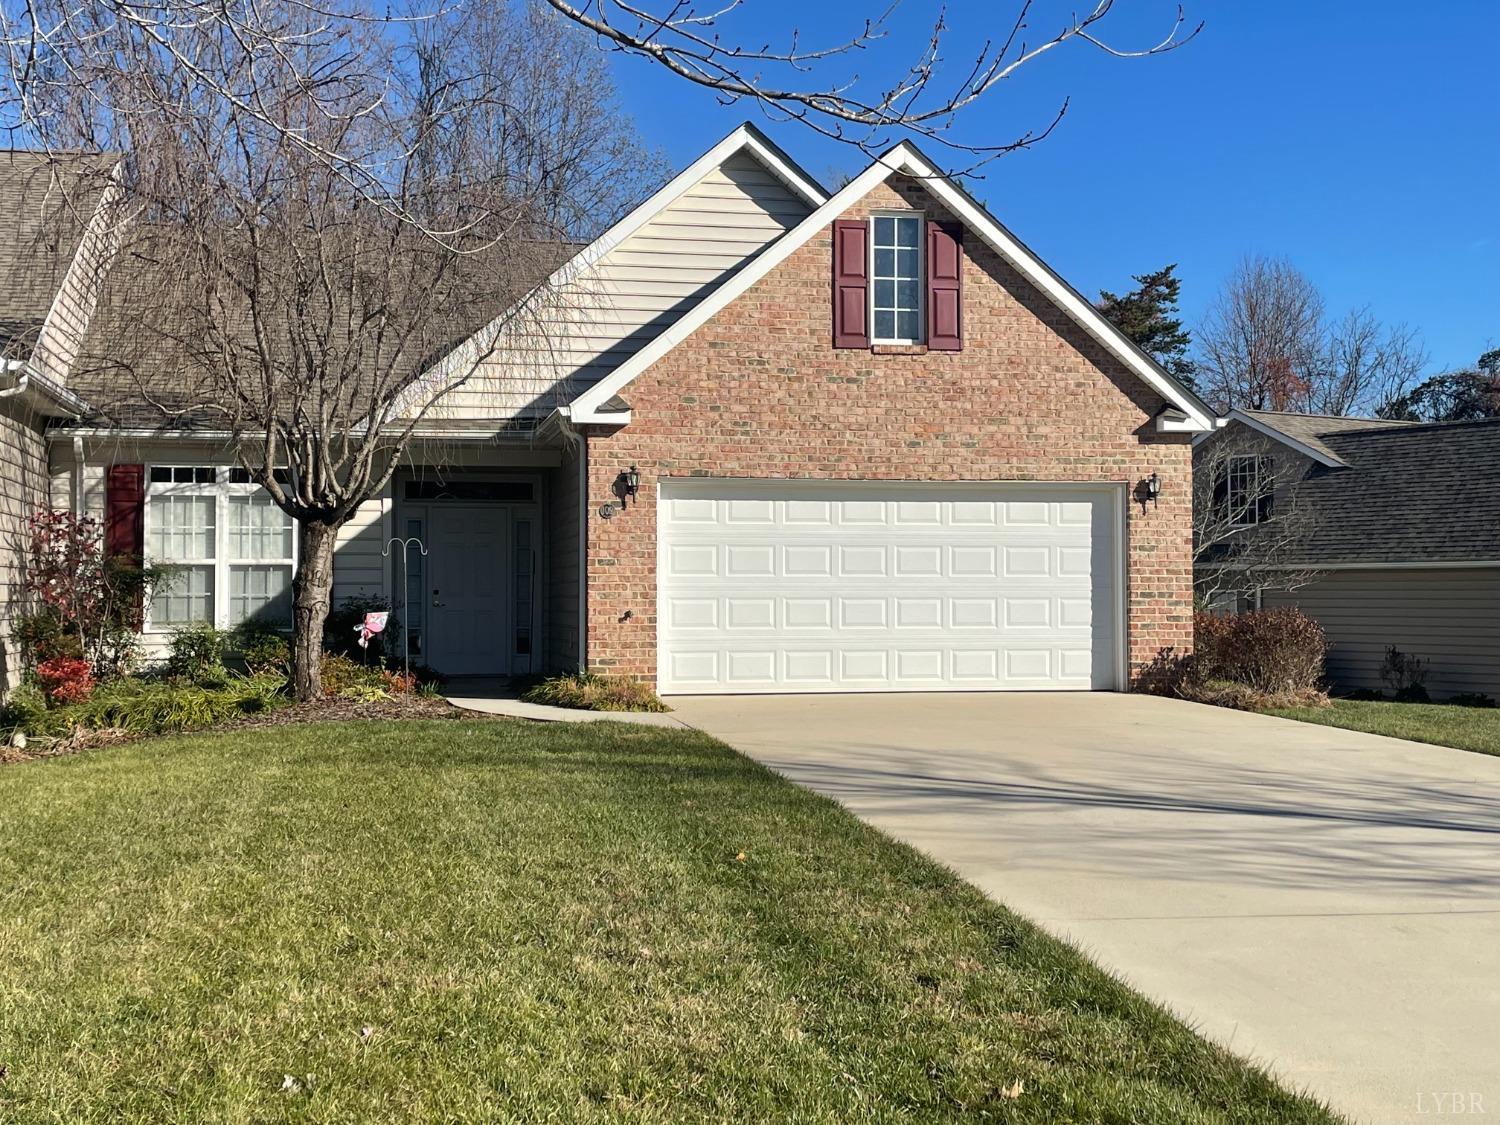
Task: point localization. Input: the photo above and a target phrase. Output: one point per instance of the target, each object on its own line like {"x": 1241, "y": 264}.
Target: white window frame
{"x": 921, "y": 220}
{"x": 221, "y": 490}
{"x": 1247, "y": 515}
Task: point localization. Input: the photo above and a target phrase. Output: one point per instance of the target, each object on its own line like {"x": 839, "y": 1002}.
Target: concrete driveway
{"x": 1324, "y": 902}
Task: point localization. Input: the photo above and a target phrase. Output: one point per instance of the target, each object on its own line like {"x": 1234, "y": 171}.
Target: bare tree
{"x": 46, "y": 43}
{"x": 263, "y": 290}
{"x": 1364, "y": 364}
{"x": 1261, "y": 337}
{"x": 1266, "y": 343}
{"x": 1250, "y": 526}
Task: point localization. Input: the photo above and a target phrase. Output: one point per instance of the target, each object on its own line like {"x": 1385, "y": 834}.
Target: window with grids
{"x": 1248, "y": 485}
{"x": 896, "y": 279}
{"x": 231, "y": 550}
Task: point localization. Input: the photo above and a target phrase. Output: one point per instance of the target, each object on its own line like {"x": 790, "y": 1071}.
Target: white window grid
{"x": 1242, "y": 489}
{"x": 238, "y": 578}
{"x": 898, "y": 277}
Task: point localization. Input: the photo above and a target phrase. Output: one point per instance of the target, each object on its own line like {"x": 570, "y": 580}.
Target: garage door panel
{"x": 769, "y": 588}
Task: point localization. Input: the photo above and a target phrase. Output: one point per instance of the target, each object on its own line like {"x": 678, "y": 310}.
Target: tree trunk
{"x": 312, "y": 589}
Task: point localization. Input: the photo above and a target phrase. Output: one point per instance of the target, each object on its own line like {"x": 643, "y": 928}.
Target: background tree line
{"x": 1269, "y": 342}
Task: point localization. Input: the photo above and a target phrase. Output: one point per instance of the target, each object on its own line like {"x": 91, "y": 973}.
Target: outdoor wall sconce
{"x": 1147, "y": 491}
{"x": 627, "y": 484}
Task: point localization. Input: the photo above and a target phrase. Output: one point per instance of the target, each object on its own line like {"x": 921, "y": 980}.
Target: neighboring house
{"x": 780, "y": 442}
{"x": 1395, "y": 537}
{"x": 52, "y": 235}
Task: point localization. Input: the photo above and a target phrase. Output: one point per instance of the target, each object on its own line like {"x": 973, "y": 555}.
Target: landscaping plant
{"x": 587, "y": 691}
{"x": 88, "y": 604}
{"x": 1261, "y": 658}
{"x": 66, "y": 679}
{"x": 1405, "y": 675}
{"x": 197, "y": 655}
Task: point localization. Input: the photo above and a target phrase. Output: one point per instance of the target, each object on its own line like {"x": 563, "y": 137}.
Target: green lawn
{"x": 1468, "y": 728}
{"x": 534, "y": 922}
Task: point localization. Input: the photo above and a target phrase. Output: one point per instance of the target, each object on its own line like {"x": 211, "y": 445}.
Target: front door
{"x": 467, "y": 608}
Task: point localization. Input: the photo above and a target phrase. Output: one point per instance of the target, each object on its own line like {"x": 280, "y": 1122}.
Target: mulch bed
{"x": 333, "y": 709}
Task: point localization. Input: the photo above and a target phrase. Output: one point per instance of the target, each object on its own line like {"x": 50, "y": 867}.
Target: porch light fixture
{"x": 1153, "y": 489}
{"x": 627, "y": 484}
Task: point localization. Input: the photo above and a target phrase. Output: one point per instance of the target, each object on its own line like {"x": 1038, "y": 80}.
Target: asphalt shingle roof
{"x": 1311, "y": 429}
{"x": 46, "y": 201}
{"x": 1407, "y": 492}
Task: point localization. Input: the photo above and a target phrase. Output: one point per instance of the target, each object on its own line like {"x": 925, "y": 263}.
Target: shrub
{"x": 1263, "y": 658}
{"x": 586, "y": 691}
{"x": 400, "y": 683}
{"x": 263, "y": 649}
{"x": 66, "y": 679}
{"x": 1471, "y": 699}
{"x": 342, "y": 674}
{"x": 94, "y": 599}
{"x": 1276, "y": 651}
{"x": 44, "y": 636}
{"x": 25, "y": 709}
{"x": 1405, "y": 675}
{"x": 198, "y": 655}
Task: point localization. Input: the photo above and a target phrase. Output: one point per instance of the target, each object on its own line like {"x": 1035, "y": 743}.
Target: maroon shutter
{"x": 945, "y": 298}
{"x": 125, "y": 510}
{"x": 851, "y": 284}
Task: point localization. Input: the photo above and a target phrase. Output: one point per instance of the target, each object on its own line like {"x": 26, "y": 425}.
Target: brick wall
{"x": 759, "y": 391}
{"x": 23, "y": 489}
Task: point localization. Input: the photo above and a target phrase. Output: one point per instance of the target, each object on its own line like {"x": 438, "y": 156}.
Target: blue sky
{"x": 1360, "y": 140}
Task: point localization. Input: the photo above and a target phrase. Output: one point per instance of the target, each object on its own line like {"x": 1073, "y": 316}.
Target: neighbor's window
{"x": 231, "y": 549}
{"x": 1249, "y": 484}
{"x": 896, "y": 279}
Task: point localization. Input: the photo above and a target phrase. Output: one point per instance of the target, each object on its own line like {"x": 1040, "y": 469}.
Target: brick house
{"x": 780, "y": 441}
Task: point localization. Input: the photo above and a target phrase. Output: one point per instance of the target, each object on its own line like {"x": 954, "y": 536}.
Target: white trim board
{"x": 905, "y": 158}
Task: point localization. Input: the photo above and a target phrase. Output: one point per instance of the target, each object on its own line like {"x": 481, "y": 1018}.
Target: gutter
{"x": 29, "y": 381}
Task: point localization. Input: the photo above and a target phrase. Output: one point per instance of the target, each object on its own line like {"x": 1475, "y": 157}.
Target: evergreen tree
{"x": 1454, "y": 396}
{"x": 1148, "y": 316}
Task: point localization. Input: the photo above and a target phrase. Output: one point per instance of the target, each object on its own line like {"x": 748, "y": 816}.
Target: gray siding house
{"x": 1389, "y": 536}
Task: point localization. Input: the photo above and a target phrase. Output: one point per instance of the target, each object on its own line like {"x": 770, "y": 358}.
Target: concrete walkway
{"x": 1324, "y": 902}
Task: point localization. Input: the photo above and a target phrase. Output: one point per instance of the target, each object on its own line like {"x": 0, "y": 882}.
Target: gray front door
{"x": 468, "y": 610}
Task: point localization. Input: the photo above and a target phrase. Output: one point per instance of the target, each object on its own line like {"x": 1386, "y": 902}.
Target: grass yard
{"x": 1467, "y": 728}
{"x": 487, "y": 921}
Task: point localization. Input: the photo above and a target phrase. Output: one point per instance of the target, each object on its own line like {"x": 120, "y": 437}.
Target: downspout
{"x": 77, "y": 489}
{"x": 576, "y": 440}
{"x": 21, "y": 384}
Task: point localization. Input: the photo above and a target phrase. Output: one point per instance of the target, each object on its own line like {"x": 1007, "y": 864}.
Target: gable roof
{"x": 1399, "y": 493}
{"x": 1195, "y": 416}
{"x": 616, "y": 293}
{"x": 1305, "y": 432}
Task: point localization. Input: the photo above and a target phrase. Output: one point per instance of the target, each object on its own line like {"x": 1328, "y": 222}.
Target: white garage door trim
{"x": 1108, "y": 518}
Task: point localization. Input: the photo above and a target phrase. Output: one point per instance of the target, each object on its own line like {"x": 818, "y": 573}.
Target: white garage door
{"x": 791, "y": 586}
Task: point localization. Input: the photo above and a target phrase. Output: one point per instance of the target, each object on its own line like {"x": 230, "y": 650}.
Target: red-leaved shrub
{"x": 66, "y": 679}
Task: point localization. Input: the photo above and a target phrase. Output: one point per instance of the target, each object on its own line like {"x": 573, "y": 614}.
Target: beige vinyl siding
{"x": 564, "y": 510}
{"x": 645, "y": 284}
{"x": 1450, "y": 617}
{"x": 67, "y": 321}
{"x": 360, "y": 570}
{"x": 23, "y": 489}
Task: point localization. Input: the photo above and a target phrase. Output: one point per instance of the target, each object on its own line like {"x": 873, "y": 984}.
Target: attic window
{"x": 1249, "y": 482}
{"x": 896, "y": 279}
